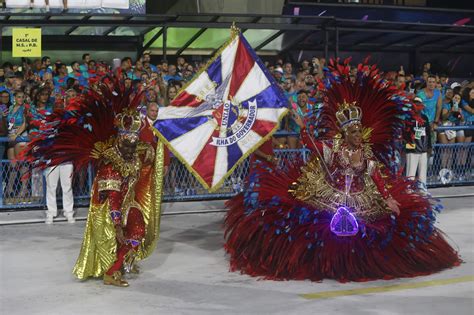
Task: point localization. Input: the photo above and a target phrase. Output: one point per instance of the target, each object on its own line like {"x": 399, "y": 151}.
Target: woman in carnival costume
{"x": 102, "y": 129}
{"x": 342, "y": 215}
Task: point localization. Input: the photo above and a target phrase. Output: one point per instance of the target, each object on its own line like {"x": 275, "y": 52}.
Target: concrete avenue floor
{"x": 189, "y": 274}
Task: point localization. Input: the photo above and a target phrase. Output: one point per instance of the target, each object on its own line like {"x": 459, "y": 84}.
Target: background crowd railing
{"x": 180, "y": 185}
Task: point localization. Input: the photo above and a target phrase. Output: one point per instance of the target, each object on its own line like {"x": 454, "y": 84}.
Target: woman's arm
{"x": 380, "y": 183}
{"x": 267, "y": 157}
{"x": 439, "y": 105}
{"x": 444, "y": 114}
{"x": 468, "y": 108}
{"x": 378, "y": 180}
{"x": 19, "y": 131}
{"x": 22, "y": 128}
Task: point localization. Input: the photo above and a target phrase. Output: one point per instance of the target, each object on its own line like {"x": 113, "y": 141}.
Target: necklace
{"x": 349, "y": 158}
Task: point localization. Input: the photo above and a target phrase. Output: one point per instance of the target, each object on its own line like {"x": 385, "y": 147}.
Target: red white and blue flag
{"x": 224, "y": 114}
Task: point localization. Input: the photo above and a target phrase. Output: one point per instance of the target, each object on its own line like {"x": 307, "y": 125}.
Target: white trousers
{"x": 61, "y": 173}
{"x": 417, "y": 161}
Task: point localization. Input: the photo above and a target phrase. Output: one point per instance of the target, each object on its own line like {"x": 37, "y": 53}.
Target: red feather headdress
{"x": 85, "y": 128}
{"x": 383, "y": 108}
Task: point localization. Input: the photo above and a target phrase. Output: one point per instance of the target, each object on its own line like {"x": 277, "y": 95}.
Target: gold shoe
{"x": 115, "y": 279}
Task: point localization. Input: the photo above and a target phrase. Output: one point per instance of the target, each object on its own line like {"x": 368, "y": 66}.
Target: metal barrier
{"x": 179, "y": 185}
{"x": 451, "y": 164}
{"x": 31, "y": 193}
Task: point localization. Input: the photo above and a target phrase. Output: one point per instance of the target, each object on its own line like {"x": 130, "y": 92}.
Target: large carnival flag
{"x": 224, "y": 114}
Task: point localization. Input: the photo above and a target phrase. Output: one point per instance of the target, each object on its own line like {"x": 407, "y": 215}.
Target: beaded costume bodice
{"x": 323, "y": 184}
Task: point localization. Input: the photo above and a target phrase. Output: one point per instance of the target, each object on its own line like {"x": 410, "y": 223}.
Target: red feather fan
{"x": 70, "y": 135}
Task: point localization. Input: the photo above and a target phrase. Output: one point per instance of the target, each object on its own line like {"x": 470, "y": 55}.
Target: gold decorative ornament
{"x": 109, "y": 184}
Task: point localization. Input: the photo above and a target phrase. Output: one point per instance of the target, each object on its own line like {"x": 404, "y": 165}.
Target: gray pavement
{"x": 188, "y": 274}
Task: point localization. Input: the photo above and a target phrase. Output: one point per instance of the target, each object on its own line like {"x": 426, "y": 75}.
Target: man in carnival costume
{"x": 344, "y": 215}
{"x": 102, "y": 129}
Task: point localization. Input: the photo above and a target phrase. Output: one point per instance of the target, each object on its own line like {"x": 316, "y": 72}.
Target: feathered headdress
{"x": 371, "y": 101}
{"x": 86, "y": 127}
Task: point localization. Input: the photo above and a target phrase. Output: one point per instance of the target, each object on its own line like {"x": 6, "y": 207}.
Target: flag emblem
{"x": 224, "y": 114}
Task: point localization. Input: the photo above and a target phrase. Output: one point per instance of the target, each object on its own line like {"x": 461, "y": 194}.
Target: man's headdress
{"x": 128, "y": 124}
{"x": 87, "y": 126}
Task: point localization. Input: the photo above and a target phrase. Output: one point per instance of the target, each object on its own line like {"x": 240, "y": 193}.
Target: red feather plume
{"x": 383, "y": 108}
{"x": 70, "y": 135}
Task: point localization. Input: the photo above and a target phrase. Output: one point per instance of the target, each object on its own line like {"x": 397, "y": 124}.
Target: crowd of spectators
{"x": 32, "y": 89}
{"x": 445, "y": 103}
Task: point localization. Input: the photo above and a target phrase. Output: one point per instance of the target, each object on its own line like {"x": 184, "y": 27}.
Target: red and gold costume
{"x": 281, "y": 226}
{"x": 126, "y": 192}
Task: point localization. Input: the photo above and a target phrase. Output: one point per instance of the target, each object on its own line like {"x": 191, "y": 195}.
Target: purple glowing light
{"x": 344, "y": 223}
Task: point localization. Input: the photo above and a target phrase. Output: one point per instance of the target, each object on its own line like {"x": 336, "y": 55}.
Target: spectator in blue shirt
{"x": 468, "y": 111}
{"x": 85, "y": 63}
{"x": 188, "y": 73}
{"x": 303, "y": 109}
{"x": 78, "y": 75}
{"x": 146, "y": 59}
{"x": 172, "y": 75}
{"x": 45, "y": 66}
{"x": 451, "y": 115}
{"x": 289, "y": 89}
{"x": 8, "y": 85}
{"x": 4, "y": 107}
{"x": 17, "y": 126}
{"x": 61, "y": 76}
{"x": 432, "y": 100}
{"x": 126, "y": 68}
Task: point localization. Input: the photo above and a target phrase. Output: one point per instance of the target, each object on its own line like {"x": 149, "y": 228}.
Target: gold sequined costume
{"x": 138, "y": 185}
{"x": 101, "y": 130}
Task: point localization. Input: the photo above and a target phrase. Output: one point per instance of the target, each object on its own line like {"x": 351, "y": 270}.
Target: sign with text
{"x": 26, "y": 42}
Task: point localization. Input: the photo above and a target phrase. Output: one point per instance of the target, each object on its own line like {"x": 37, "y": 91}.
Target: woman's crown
{"x": 348, "y": 114}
